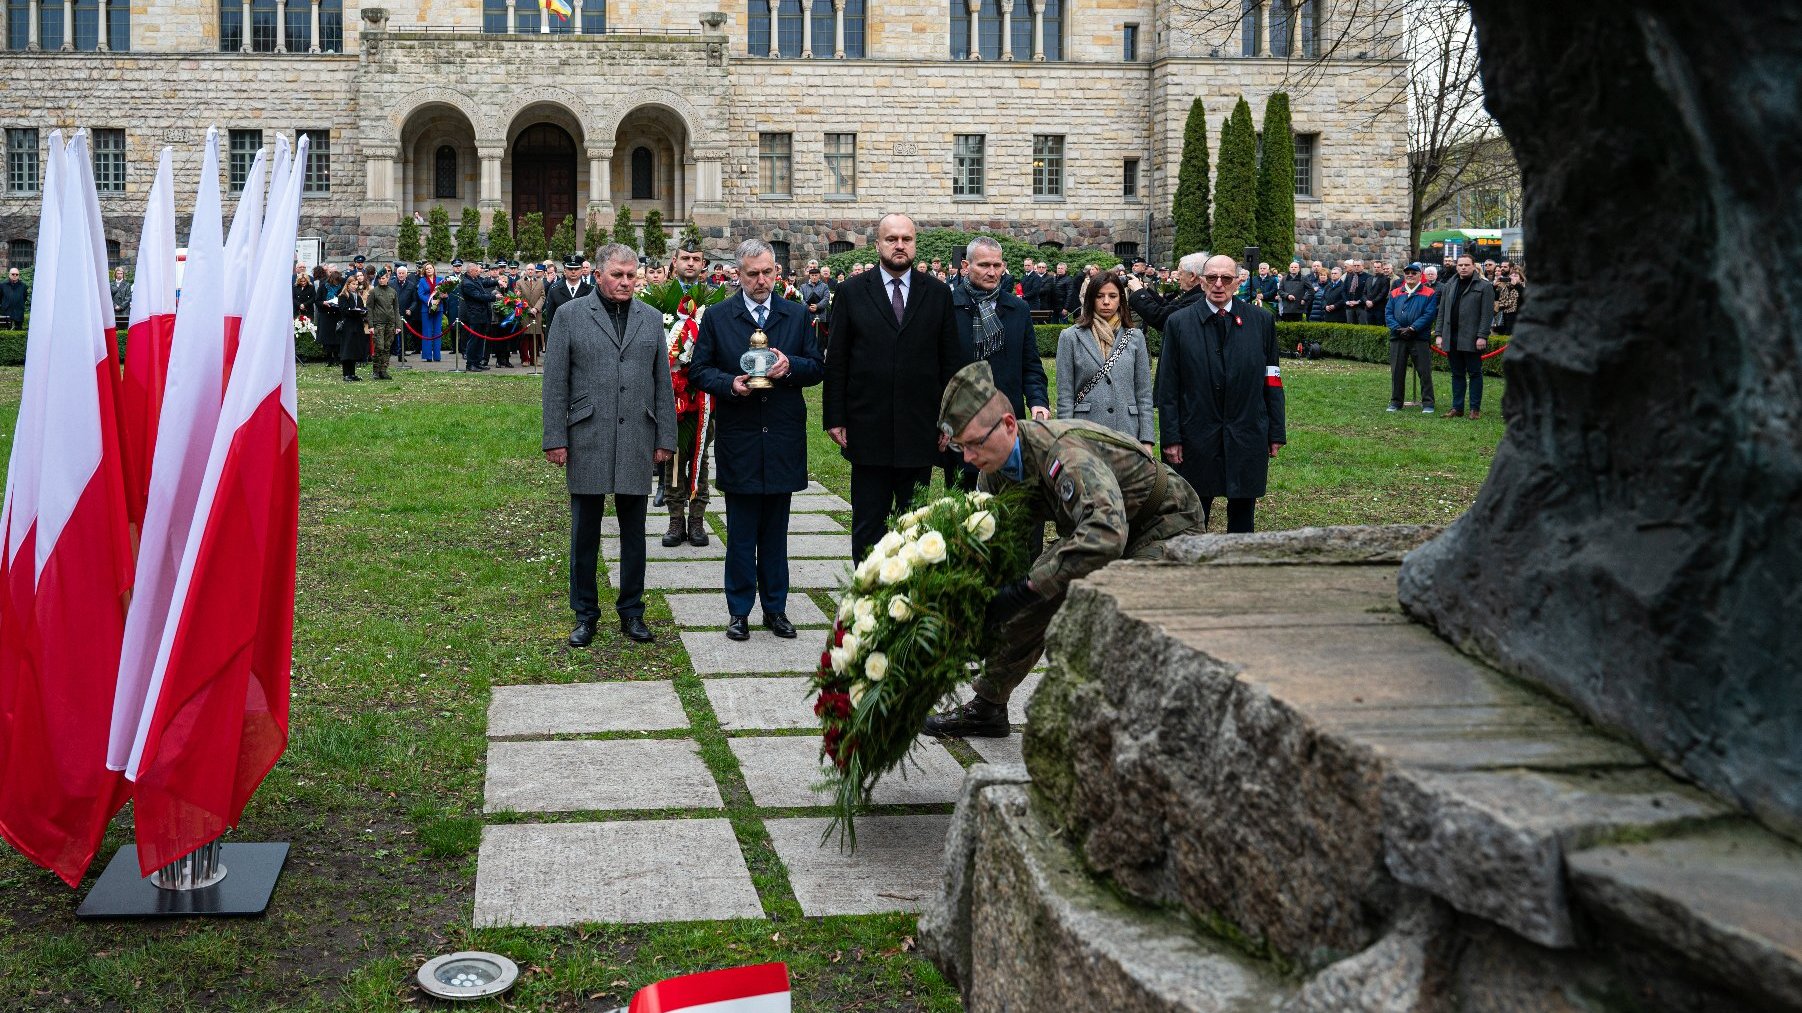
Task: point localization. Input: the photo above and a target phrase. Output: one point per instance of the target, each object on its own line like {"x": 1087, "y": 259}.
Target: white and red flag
{"x": 67, "y": 568}
{"x": 184, "y": 438}
{"x": 761, "y": 988}
{"x": 241, "y": 247}
{"x": 216, "y": 718}
{"x": 147, "y": 339}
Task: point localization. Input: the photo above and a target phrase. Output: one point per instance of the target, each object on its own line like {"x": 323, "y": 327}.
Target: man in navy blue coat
{"x": 760, "y": 435}
{"x": 995, "y": 325}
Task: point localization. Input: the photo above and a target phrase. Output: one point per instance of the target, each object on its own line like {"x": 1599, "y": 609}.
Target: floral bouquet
{"x": 910, "y": 620}
{"x": 682, "y": 325}
{"x": 512, "y": 311}
{"x": 304, "y": 329}
{"x": 444, "y": 289}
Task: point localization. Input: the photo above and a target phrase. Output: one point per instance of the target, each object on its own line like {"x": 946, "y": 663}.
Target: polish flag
{"x": 147, "y": 339}
{"x": 66, "y": 570}
{"x": 241, "y": 247}
{"x": 216, "y": 718}
{"x": 762, "y": 988}
{"x": 1273, "y": 376}
{"x": 184, "y": 437}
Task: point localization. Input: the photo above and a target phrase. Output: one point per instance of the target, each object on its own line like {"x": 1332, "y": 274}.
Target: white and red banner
{"x": 147, "y": 339}
{"x": 216, "y": 706}
{"x": 761, "y": 988}
{"x": 240, "y": 250}
{"x": 67, "y": 567}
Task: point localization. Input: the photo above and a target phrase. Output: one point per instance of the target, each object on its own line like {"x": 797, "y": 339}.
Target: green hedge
{"x": 12, "y": 348}
{"x": 1361, "y": 342}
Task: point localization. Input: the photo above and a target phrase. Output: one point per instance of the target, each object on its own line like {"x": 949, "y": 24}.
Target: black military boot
{"x": 677, "y": 533}
{"x": 979, "y": 718}
{"x": 697, "y": 523}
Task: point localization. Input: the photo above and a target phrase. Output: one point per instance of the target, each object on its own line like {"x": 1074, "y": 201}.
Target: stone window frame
{"x": 447, "y": 179}
{"x": 856, "y": 18}
{"x": 109, "y": 160}
{"x": 960, "y": 34}
{"x": 22, "y": 254}
{"x": 987, "y": 31}
{"x": 1251, "y": 27}
{"x": 317, "y": 181}
{"x": 241, "y": 147}
{"x": 1130, "y": 180}
{"x": 118, "y": 26}
{"x": 51, "y": 28}
{"x": 775, "y": 165}
{"x": 648, "y": 173}
{"x": 265, "y": 26}
{"x": 1307, "y": 166}
{"x": 18, "y": 25}
{"x": 1050, "y": 160}
{"x": 24, "y": 161}
{"x": 231, "y": 26}
{"x": 841, "y": 164}
{"x": 331, "y": 26}
{"x": 1129, "y": 42}
{"x": 969, "y": 166}
{"x": 760, "y": 27}
{"x": 789, "y": 18}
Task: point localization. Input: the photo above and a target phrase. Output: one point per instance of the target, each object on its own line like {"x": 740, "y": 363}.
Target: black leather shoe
{"x": 977, "y": 719}
{"x": 583, "y": 634}
{"x": 634, "y": 627}
{"x": 778, "y": 623}
{"x": 738, "y": 627}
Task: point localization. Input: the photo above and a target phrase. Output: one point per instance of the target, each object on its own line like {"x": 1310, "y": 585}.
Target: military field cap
{"x": 970, "y": 390}
{"x": 688, "y": 246}
{"x": 457, "y": 263}
{"x": 573, "y": 261}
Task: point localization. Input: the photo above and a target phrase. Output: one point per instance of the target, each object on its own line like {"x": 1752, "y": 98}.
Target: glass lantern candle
{"x": 758, "y": 362}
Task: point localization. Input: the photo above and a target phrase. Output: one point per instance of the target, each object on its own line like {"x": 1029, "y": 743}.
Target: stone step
{"x": 836, "y": 547}
{"x": 700, "y": 575}
{"x": 782, "y": 771}
{"x": 762, "y": 704}
{"x": 582, "y": 775}
{"x": 709, "y": 610}
{"x": 801, "y": 503}
{"x": 713, "y": 653}
{"x": 581, "y": 707}
{"x": 896, "y": 866}
{"x": 657, "y": 521}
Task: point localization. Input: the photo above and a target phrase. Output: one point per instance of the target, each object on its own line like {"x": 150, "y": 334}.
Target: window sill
{"x": 970, "y": 198}
{"x": 840, "y": 198}
{"x": 776, "y": 196}
{"x": 1047, "y": 200}
{"x": 1305, "y": 199}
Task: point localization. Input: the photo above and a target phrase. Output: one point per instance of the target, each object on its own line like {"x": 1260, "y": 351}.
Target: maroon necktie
{"x": 897, "y": 302}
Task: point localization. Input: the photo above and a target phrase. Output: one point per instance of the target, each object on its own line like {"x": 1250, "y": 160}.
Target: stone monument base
{"x": 1254, "y": 784}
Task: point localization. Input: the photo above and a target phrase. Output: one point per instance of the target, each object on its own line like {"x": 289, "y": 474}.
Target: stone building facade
{"x": 1056, "y": 121}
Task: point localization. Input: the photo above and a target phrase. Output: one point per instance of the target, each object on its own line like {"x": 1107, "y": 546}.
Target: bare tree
{"x": 1453, "y": 145}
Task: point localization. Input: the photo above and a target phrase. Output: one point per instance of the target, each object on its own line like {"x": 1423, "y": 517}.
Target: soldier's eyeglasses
{"x": 958, "y": 448}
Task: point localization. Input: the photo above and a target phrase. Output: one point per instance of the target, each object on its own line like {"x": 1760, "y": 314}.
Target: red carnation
{"x": 838, "y": 637}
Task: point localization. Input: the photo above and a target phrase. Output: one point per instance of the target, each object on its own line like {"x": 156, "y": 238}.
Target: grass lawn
{"x": 432, "y": 565}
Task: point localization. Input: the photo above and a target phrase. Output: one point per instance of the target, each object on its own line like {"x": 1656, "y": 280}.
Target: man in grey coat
{"x": 1466, "y": 307}
{"x": 610, "y": 419}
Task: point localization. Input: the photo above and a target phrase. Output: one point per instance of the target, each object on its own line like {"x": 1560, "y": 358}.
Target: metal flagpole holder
{"x": 214, "y": 880}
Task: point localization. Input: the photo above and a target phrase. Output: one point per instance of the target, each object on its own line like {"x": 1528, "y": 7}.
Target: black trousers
{"x": 1238, "y": 513}
{"x": 475, "y": 350}
{"x": 1402, "y": 354}
{"x": 756, "y": 551}
{"x": 585, "y": 513}
{"x": 1467, "y": 367}
{"x": 876, "y": 492}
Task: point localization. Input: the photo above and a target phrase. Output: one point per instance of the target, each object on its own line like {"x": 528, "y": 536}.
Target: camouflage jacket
{"x": 1092, "y": 489}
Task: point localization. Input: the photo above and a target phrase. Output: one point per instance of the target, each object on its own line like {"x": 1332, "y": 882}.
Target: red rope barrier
{"x": 1499, "y": 349}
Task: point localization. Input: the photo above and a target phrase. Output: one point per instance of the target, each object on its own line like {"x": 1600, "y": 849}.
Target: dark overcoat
{"x": 1019, "y": 373}
{"x": 1220, "y": 397}
{"x": 608, "y": 399}
{"x": 760, "y": 440}
{"x": 884, "y": 380}
{"x": 557, "y": 294}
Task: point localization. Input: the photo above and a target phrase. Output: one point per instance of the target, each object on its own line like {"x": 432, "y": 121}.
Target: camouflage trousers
{"x": 681, "y": 468}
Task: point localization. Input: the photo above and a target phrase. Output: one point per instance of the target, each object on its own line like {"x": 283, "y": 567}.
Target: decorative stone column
{"x": 1264, "y": 36}
{"x": 512, "y": 24}
{"x": 489, "y": 194}
{"x": 69, "y": 25}
{"x": 100, "y": 42}
{"x": 1038, "y": 31}
{"x": 245, "y": 7}
{"x": 281, "y": 25}
{"x": 806, "y": 29}
{"x": 575, "y": 17}
{"x": 681, "y": 188}
{"x": 838, "y": 28}
{"x": 975, "y": 9}
{"x": 1007, "y": 30}
{"x": 32, "y": 42}
{"x": 600, "y": 180}
{"x": 379, "y": 177}
{"x": 313, "y": 47}
{"x": 709, "y": 171}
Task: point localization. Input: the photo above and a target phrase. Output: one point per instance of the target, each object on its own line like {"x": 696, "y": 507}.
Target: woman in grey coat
{"x": 1104, "y": 366}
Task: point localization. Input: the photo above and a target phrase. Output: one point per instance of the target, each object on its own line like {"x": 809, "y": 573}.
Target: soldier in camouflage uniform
{"x": 1109, "y": 498}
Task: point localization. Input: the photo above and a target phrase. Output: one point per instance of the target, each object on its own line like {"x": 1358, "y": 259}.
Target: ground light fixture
{"x": 470, "y": 974}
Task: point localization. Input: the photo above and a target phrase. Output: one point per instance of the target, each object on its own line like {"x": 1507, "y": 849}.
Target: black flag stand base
{"x": 251, "y": 872}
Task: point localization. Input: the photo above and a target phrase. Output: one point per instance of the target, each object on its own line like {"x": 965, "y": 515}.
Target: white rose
{"x": 889, "y": 543}
{"x": 944, "y": 501}
{"x": 980, "y": 498}
{"x": 851, "y": 646}
{"x": 839, "y": 659}
{"x": 864, "y": 626}
{"x": 911, "y": 553}
{"x": 894, "y": 570}
{"x": 981, "y": 524}
{"x": 864, "y": 609}
{"x": 900, "y": 609}
{"x": 876, "y": 666}
{"x": 866, "y": 571}
{"x": 913, "y": 517}
{"x": 845, "y": 605}
{"x": 932, "y": 547}
{"x": 911, "y": 532}
{"x": 858, "y": 689}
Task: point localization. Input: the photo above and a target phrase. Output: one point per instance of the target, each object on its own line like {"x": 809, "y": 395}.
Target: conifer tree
{"x": 564, "y": 242}
{"x": 1236, "y": 185}
{"x": 593, "y": 238}
{"x": 406, "y": 245}
{"x": 500, "y": 237}
{"x": 656, "y": 244}
{"x": 1194, "y": 228}
{"x": 469, "y": 234}
{"x": 1276, "y": 185}
{"x": 438, "y": 247}
{"x": 528, "y": 236}
{"x": 623, "y": 233}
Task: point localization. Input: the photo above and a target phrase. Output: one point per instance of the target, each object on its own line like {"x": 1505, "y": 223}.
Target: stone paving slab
{"x": 628, "y": 871}
{"x": 707, "y": 576}
{"x": 801, "y": 503}
{"x": 809, "y": 546}
{"x": 711, "y": 653}
{"x": 580, "y": 775}
{"x": 754, "y": 703}
{"x": 1002, "y": 752}
{"x": 798, "y": 523}
{"x": 710, "y": 610}
{"x": 655, "y": 523}
{"x": 781, "y": 771}
{"x": 584, "y": 707}
{"x": 896, "y": 867}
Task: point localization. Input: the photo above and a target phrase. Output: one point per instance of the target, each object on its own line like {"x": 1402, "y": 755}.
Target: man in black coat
{"x": 1152, "y": 309}
{"x": 475, "y": 295}
{"x": 894, "y": 346}
{"x": 1219, "y": 394}
{"x": 1031, "y": 282}
{"x": 760, "y": 433}
{"x": 1294, "y": 294}
{"x": 13, "y": 295}
{"x": 1008, "y": 346}
{"x": 407, "y": 303}
{"x": 572, "y": 287}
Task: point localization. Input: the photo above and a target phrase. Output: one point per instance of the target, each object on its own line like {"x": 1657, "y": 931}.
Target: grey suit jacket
{"x": 608, "y": 400}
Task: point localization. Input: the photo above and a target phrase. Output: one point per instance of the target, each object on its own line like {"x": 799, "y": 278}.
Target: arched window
{"x": 839, "y": 246}
{"x": 788, "y": 28}
{"x": 331, "y": 26}
{"x": 444, "y": 173}
{"x": 1251, "y": 27}
{"x": 1051, "y": 246}
{"x": 1310, "y": 29}
{"x": 757, "y": 42}
{"x": 854, "y": 29}
{"x": 262, "y": 26}
{"x": 644, "y": 168}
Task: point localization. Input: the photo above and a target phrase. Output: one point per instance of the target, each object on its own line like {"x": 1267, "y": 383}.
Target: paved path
{"x": 650, "y": 840}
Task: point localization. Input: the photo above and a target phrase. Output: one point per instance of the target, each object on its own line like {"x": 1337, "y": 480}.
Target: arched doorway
{"x": 544, "y": 175}
{"x": 650, "y": 164}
